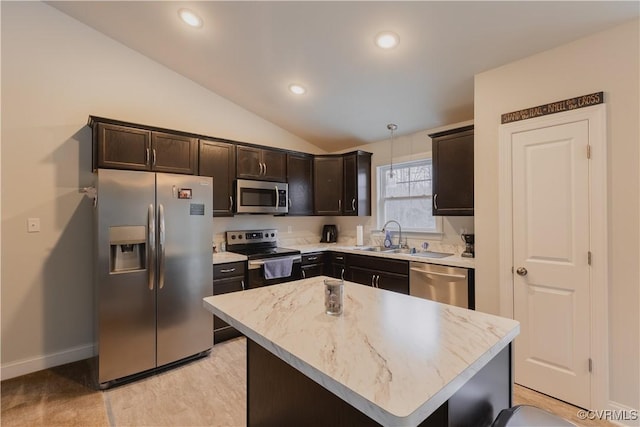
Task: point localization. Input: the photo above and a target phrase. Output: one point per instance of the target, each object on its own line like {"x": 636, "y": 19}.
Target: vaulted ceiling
{"x": 250, "y": 52}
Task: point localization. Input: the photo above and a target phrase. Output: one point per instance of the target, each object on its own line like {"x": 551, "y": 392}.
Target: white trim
{"x": 23, "y": 367}
{"x": 599, "y": 348}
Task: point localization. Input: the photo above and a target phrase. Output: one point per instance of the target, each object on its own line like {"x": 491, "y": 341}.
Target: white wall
{"x": 405, "y": 148}
{"x": 609, "y": 62}
{"x": 55, "y": 73}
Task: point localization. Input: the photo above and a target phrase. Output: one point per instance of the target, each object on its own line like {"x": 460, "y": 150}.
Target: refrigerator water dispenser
{"x": 127, "y": 248}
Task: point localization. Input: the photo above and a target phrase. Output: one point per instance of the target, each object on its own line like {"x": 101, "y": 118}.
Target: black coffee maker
{"x": 329, "y": 234}
{"x": 469, "y": 240}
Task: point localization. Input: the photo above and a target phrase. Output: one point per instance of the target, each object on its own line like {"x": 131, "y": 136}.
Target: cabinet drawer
{"x": 312, "y": 270}
{"x": 313, "y": 258}
{"x": 224, "y": 286}
{"x": 229, "y": 269}
{"x": 379, "y": 264}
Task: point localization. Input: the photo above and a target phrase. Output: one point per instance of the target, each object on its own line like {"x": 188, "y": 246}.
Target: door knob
{"x": 521, "y": 271}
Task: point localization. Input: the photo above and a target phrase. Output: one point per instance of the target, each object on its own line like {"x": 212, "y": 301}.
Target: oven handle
{"x": 260, "y": 262}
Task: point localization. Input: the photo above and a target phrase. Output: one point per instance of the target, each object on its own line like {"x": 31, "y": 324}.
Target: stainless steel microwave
{"x": 261, "y": 197}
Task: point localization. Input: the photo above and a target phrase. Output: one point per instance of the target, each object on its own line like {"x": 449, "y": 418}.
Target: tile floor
{"x": 210, "y": 391}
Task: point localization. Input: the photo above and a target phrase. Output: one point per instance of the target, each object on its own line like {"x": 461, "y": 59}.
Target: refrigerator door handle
{"x": 151, "y": 252}
{"x": 161, "y": 232}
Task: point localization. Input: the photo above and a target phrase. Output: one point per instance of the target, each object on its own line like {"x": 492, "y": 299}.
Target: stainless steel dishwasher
{"x": 441, "y": 283}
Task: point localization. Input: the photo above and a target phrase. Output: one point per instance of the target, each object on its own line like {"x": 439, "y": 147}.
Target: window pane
{"x": 412, "y": 214}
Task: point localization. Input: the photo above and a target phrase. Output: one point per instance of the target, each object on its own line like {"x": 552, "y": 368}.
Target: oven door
{"x": 256, "y": 273}
{"x": 261, "y": 197}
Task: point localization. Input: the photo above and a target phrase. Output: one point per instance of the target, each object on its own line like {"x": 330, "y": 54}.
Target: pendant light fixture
{"x": 392, "y": 127}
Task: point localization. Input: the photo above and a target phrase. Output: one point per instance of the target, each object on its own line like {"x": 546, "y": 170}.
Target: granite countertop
{"x": 454, "y": 260}
{"x": 224, "y": 257}
{"x": 395, "y": 357}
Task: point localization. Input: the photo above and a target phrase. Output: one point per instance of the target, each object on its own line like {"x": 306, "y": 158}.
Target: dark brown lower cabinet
{"x": 312, "y": 264}
{"x": 228, "y": 277}
{"x": 336, "y": 265}
{"x": 389, "y": 274}
{"x": 280, "y": 395}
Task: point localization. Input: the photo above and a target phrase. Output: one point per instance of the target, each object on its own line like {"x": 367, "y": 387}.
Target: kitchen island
{"x": 389, "y": 359}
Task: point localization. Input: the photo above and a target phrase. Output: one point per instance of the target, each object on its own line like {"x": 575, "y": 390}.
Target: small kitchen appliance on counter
{"x": 329, "y": 234}
{"x": 469, "y": 240}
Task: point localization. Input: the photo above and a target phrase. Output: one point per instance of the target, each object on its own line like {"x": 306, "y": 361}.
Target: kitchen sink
{"x": 429, "y": 254}
{"x": 384, "y": 250}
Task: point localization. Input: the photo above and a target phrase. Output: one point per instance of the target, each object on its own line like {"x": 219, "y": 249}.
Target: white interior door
{"x": 551, "y": 238}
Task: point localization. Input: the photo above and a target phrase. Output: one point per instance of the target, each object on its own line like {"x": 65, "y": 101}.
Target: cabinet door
{"x": 300, "y": 179}
{"x": 453, "y": 173}
{"x": 122, "y": 147}
{"x": 364, "y": 276}
{"x": 174, "y": 153}
{"x": 393, "y": 282}
{"x": 327, "y": 179}
{"x": 221, "y": 329}
{"x": 312, "y": 270}
{"x": 249, "y": 163}
{"x": 274, "y": 165}
{"x": 350, "y": 185}
{"x": 218, "y": 160}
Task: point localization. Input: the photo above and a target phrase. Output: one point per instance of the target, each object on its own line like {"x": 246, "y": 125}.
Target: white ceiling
{"x": 249, "y": 52}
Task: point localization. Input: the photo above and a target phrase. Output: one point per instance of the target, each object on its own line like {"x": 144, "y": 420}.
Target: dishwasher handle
{"x": 435, "y": 273}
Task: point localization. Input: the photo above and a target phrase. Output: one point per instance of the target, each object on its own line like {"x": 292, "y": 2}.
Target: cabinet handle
{"x": 353, "y": 204}
{"x": 230, "y": 203}
{"x": 378, "y": 281}
{"x": 242, "y": 283}
{"x": 304, "y": 276}
{"x": 265, "y": 168}
{"x": 290, "y": 204}
{"x": 228, "y": 270}
{"x": 154, "y": 157}
{"x": 339, "y": 205}
{"x": 342, "y": 274}
{"x": 372, "y": 277}
{"x": 260, "y": 166}
{"x": 146, "y": 157}
{"x": 435, "y": 201}
{"x": 339, "y": 258}
{"x": 312, "y": 258}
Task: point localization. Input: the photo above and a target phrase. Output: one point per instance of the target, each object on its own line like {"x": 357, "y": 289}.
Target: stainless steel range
{"x": 268, "y": 264}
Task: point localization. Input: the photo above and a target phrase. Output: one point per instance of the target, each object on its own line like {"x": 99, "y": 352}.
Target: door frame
{"x": 599, "y": 309}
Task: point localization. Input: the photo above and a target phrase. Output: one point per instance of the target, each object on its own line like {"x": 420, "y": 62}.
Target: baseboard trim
{"x": 619, "y": 408}
{"x": 23, "y": 367}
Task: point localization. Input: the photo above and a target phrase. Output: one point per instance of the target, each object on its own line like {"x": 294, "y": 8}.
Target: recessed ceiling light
{"x": 297, "y": 89}
{"x": 387, "y": 40}
{"x": 190, "y": 18}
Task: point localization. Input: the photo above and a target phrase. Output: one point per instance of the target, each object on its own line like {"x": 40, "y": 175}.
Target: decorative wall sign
{"x": 554, "y": 107}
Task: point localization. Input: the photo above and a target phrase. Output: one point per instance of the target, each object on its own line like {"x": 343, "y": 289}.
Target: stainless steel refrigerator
{"x": 154, "y": 266}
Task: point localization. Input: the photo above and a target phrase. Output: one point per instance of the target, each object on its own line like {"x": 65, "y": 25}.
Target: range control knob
{"x": 233, "y": 237}
{"x": 273, "y": 234}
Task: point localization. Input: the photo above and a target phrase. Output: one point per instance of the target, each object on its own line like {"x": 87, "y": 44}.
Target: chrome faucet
{"x": 399, "y": 231}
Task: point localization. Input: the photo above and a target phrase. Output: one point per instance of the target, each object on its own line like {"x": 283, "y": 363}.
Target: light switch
{"x": 33, "y": 225}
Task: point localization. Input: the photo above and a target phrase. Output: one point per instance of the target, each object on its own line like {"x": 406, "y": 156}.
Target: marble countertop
{"x": 453, "y": 260}
{"x": 395, "y": 357}
{"x": 224, "y": 257}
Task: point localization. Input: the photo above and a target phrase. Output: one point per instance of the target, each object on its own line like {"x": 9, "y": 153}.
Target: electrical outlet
{"x": 33, "y": 225}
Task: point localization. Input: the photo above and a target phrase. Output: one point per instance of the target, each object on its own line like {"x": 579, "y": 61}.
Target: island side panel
{"x": 278, "y": 394}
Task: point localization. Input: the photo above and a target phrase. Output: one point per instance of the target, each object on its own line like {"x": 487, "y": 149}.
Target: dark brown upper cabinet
{"x": 218, "y": 160}
{"x": 263, "y": 164}
{"x": 328, "y": 185}
{"x": 452, "y": 176}
{"x": 300, "y": 179}
{"x": 357, "y": 184}
{"x": 174, "y": 153}
{"x": 124, "y": 147}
